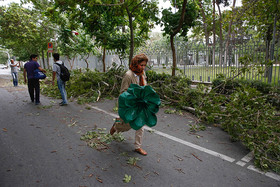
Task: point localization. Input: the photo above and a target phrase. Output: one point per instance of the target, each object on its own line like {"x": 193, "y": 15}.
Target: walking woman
{"x": 135, "y": 75}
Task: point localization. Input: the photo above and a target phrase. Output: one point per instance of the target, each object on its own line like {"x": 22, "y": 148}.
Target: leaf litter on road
{"x": 98, "y": 179}
{"x": 99, "y": 138}
{"x": 196, "y": 157}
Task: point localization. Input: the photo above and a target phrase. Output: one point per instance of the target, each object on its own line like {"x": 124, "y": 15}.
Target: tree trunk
{"x": 229, "y": 32}
{"x": 86, "y": 63}
{"x": 48, "y": 58}
{"x": 205, "y": 31}
{"x": 220, "y": 35}
{"x": 272, "y": 46}
{"x": 177, "y": 30}
{"x": 131, "y": 35}
{"x": 71, "y": 63}
{"x": 173, "y": 55}
{"x": 86, "y": 60}
{"x": 103, "y": 59}
{"x": 43, "y": 59}
{"x": 214, "y": 34}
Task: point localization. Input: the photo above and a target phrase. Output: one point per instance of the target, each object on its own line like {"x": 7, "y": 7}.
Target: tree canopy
{"x": 24, "y": 31}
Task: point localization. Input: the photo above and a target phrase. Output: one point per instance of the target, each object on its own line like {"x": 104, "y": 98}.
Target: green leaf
{"x": 127, "y": 178}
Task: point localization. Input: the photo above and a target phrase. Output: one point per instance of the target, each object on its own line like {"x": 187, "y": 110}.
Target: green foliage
{"x": 257, "y": 18}
{"x": 197, "y": 127}
{"x": 89, "y": 86}
{"x": 99, "y": 139}
{"x": 170, "y": 20}
{"x": 228, "y": 86}
{"x": 169, "y": 111}
{"x": 127, "y": 178}
{"x": 246, "y": 115}
{"x": 107, "y": 24}
{"x": 133, "y": 160}
{"x": 166, "y": 85}
{"x": 23, "y": 30}
{"x": 3, "y": 58}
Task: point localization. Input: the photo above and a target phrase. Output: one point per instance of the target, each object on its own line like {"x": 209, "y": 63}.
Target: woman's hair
{"x": 139, "y": 58}
{"x": 134, "y": 66}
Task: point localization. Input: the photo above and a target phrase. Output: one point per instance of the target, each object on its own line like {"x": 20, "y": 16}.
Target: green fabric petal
{"x": 151, "y": 96}
{"x": 138, "y": 92}
{"x": 122, "y": 114}
{"x": 130, "y": 101}
{"x": 148, "y": 90}
{"x": 153, "y": 108}
{"x": 138, "y": 105}
{"x": 139, "y": 122}
{"x": 151, "y": 120}
{"x": 122, "y": 99}
{"x": 131, "y": 114}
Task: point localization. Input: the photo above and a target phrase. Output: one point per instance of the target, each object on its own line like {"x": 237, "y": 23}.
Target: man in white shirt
{"x": 60, "y": 83}
{"x": 14, "y": 71}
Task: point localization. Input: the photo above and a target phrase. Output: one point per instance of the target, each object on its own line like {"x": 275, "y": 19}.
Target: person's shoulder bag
{"x": 39, "y": 74}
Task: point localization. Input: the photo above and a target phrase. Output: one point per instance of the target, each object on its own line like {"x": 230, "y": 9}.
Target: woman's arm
{"x": 127, "y": 80}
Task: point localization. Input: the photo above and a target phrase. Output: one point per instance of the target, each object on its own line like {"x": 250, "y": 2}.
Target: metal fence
{"x": 198, "y": 62}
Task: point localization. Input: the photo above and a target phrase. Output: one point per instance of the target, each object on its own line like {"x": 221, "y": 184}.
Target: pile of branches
{"x": 173, "y": 90}
{"x": 89, "y": 86}
{"x": 248, "y": 114}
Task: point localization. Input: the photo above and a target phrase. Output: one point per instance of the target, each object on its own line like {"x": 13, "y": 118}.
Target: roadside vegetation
{"x": 247, "y": 110}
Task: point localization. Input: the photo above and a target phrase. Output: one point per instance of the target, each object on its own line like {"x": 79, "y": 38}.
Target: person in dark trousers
{"x": 60, "y": 83}
{"x": 33, "y": 84}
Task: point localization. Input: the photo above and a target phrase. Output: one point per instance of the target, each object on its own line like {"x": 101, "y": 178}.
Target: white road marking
{"x": 268, "y": 174}
{"x": 240, "y": 163}
{"x": 247, "y": 158}
{"x": 109, "y": 113}
{"x": 208, "y": 151}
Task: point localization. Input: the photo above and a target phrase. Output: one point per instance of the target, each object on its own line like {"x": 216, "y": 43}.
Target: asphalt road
{"x": 41, "y": 146}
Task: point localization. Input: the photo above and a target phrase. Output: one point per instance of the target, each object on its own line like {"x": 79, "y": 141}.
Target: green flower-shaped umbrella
{"x": 138, "y": 106}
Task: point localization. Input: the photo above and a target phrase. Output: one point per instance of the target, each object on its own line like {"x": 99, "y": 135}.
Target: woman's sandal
{"x": 112, "y": 130}
{"x": 141, "y": 151}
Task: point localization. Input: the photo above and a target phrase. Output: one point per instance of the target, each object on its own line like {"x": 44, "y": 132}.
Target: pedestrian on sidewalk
{"x": 33, "y": 84}
{"x": 14, "y": 70}
{"x": 60, "y": 83}
{"x": 135, "y": 75}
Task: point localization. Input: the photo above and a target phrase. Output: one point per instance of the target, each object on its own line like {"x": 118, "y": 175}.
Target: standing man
{"x": 33, "y": 84}
{"x": 14, "y": 71}
{"x": 60, "y": 83}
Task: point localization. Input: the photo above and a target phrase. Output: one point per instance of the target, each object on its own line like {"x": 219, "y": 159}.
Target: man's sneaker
{"x": 37, "y": 103}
